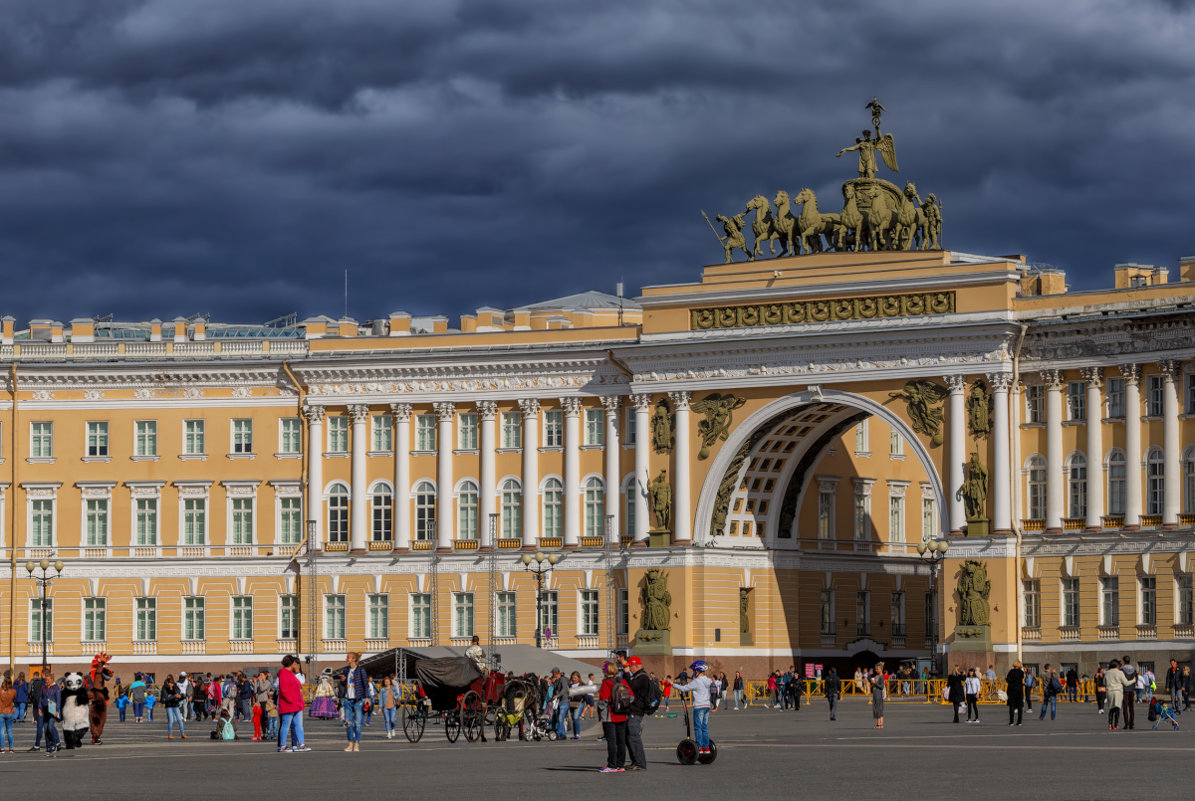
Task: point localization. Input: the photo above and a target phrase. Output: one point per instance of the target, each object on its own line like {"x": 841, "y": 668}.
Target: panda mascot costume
{"x": 76, "y": 706}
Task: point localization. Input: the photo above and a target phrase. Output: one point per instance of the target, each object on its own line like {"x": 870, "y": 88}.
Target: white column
{"x": 486, "y": 412}
{"x": 613, "y": 474}
{"x": 359, "y": 509}
{"x": 530, "y": 407}
{"x": 958, "y": 451}
{"x": 1001, "y": 463}
{"x": 1132, "y": 445}
{"x": 642, "y": 456}
{"x": 315, "y": 471}
{"x": 1055, "y": 470}
{"x": 1095, "y": 448}
{"x": 445, "y": 413}
{"x": 1171, "y": 444}
{"x": 572, "y": 472}
{"x": 682, "y": 513}
{"x": 402, "y": 475}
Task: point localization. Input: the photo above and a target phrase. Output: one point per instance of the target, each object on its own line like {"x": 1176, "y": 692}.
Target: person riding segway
{"x": 702, "y": 750}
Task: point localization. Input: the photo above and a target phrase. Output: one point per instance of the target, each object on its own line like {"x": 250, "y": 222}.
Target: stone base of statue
{"x": 978, "y": 528}
{"x": 746, "y": 638}
{"x": 972, "y": 638}
{"x": 659, "y": 538}
{"x": 650, "y": 642}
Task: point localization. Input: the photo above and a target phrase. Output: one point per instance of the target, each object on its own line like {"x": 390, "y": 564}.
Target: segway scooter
{"x": 686, "y": 750}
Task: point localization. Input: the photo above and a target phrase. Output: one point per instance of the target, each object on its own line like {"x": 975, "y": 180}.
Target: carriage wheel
{"x": 472, "y": 712}
{"x": 452, "y": 725}
{"x": 414, "y": 720}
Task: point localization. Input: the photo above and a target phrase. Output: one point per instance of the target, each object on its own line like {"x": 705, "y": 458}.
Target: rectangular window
{"x": 507, "y": 614}
{"x": 825, "y": 515}
{"x": 862, "y": 514}
{"x": 1149, "y": 601}
{"x": 1110, "y": 601}
{"x": 595, "y": 427}
{"x": 1184, "y": 613}
{"x": 95, "y": 620}
{"x": 97, "y": 439}
{"x": 1076, "y": 400}
{"x": 1116, "y": 485}
{"x": 242, "y": 436}
{"x": 624, "y": 612}
{"x": 462, "y": 614}
{"x": 334, "y": 617}
{"x": 242, "y": 521}
{"x": 290, "y": 521}
{"x": 41, "y": 626}
{"x": 1154, "y": 395}
{"x": 41, "y": 440}
{"x": 827, "y": 615}
{"x": 896, "y": 519}
{"x": 194, "y": 619}
{"x": 1115, "y": 398}
{"x": 382, "y": 434}
{"x": 97, "y": 522}
{"x": 466, "y": 431}
{"x": 1189, "y": 395}
{"x": 929, "y": 519}
{"x": 41, "y": 523}
{"x": 1032, "y": 589}
{"x": 147, "y": 620}
{"x": 1070, "y": 603}
{"x": 146, "y": 521}
{"x": 425, "y": 432}
{"x": 288, "y": 617}
{"x": 290, "y": 435}
{"x": 193, "y": 437}
{"x": 242, "y": 618}
{"x": 421, "y": 616}
{"x": 145, "y": 441}
{"x": 549, "y": 615}
{"x": 379, "y": 617}
{"x": 512, "y": 429}
{"x": 896, "y": 443}
{"x": 629, "y": 439}
{"x": 589, "y": 613}
{"x": 862, "y": 613}
{"x": 194, "y": 521}
{"x": 898, "y": 614}
{"x": 861, "y": 438}
{"x": 338, "y": 434}
{"x": 554, "y": 429}
{"x": 1035, "y": 405}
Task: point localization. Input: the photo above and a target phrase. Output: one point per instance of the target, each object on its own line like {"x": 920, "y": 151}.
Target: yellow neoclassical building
{"x": 753, "y": 458}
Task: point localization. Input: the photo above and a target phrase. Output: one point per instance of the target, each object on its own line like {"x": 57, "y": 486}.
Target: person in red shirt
{"x": 666, "y": 689}
{"x": 290, "y": 705}
{"x": 614, "y": 725}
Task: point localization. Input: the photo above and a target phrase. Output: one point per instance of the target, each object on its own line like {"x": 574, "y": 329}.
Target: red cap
{"x": 635, "y": 661}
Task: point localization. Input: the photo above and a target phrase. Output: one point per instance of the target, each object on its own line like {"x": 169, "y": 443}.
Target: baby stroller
{"x": 1158, "y": 710}
{"x": 541, "y": 727}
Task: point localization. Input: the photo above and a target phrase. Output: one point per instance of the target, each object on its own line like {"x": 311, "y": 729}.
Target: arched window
{"x": 553, "y": 508}
{"x": 595, "y": 507}
{"x": 1037, "y": 487}
{"x": 382, "y": 503}
{"x": 1189, "y": 481}
{"x": 1155, "y": 481}
{"x": 1117, "y": 472}
{"x": 425, "y": 511}
{"x": 512, "y": 509}
{"x": 466, "y": 512}
{"x": 1077, "y": 485}
{"x": 338, "y": 513}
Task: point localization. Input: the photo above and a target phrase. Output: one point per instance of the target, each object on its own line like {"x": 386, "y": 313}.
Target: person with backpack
{"x": 702, "y": 687}
{"x": 1030, "y": 682}
{"x": 641, "y": 688}
{"x": 137, "y": 694}
{"x": 614, "y": 701}
{"x": 1051, "y": 689}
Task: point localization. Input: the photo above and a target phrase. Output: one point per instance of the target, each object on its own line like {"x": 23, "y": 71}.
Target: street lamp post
{"x": 540, "y": 564}
{"x": 933, "y": 551}
{"x": 43, "y": 582}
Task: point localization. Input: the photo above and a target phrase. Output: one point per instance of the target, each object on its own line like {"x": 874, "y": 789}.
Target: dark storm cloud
{"x": 161, "y": 157}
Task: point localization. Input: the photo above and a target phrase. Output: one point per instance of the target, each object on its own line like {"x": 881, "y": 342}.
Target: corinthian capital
{"x": 314, "y": 414}
{"x": 1170, "y": 368}
{"x": 572, "y": 406}
{"x": 487, "y": 409}
{"x": 359, "y": 413}
{"x": 1000, "y": 381}
{"x": 530, "y": 406}
{"x": 680, "y": 400}
{"x": 1131, "y": 373}
{"x": 445, "y": 410}
{"x": 1052, "y": 379}
{"x": 401, "y": 411}
{"x": 1094, "y": 376}
{"x": 957, "y": 383}
{"x": 611, "y": 402}
{"x": 642, "y": 402}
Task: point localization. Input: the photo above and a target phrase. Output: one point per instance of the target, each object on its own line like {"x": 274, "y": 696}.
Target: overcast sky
{"x": 165, "y": 157}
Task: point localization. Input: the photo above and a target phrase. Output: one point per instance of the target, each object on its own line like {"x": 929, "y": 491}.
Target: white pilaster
{"x": 315, "y": 471}
{"x": 958, "y": 451}
{"x": 1055, "y": 470}
{"x": 1001, "y": 464}
{"x": 572, "y": 471}
{"x": 1132, "y": 445}
{"x": 613, "y": 448}
{"x": 682, "y": 513}
{"x": 530, "y": 408}
{"x": 1095, "y": 448}
{"x": 359, "y": 509}
{"x": 1171, "y": 444}
{"x": 486, "y": 413}
{"x": 642, "y": 456}
{"x": 445, "y": 413}
{"x": 402, "y": 475}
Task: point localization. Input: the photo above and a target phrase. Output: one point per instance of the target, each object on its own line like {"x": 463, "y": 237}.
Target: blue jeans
{"x": 138, "y": 709}
{"x": 272, "y": 728}
{"x": 37, "y": 727}
{"x": 561, "y": 716}
{"x": 51, "y": 733}
{"x": 701, "y": 726}
{"x": 354, "y": 710}
{"x": 21, "y": 710}
{"x": 149, "y": 713}
{"x": 292, "y": 723}
{"x": 6, "y": 730}
{"x": 1051, "y": 701}
{"x": 247, "y": 709}
{"x": 575, "y": 714}
{"x": 739, "y": 700}
{"x": 174, "y": 715}
{"x": 390, "y": 715}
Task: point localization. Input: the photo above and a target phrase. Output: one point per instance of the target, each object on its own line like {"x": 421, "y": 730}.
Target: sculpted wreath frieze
{"x": 466, "y": 384}
{"x": 820, "y": 311}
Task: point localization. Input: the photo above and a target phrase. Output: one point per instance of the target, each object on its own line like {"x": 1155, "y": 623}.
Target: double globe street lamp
{"x": 540, "y": 564}
{"x": 43, "y": 582}
{"x": 933, "y": 551}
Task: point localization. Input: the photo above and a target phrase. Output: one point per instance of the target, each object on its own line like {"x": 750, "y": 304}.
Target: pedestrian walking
{"x": 138, "y": 695}
{"x": 50, "y": 704}
{"x": 879, "y": 690}
{"x": 1101, "y": 688}
{"x": 1051, "y": 688}
{"x": 740, "y": 702}
{"x": 8, "y": 713}
{"x": 614, "y": 724}
{"x": 641, "y": 688}
{"x": 1174, "y": 687}
{"x": 1128, "y": 708}
{"x": 388, "y": 698}
{"x": 290, "y": 706}
{"x": 1030, "y": 682}
{"x": 22, "y": 700}
{"x": 833, "y": 688}
{"x": 955, "y": 692}
{"x": 35, "y": 689}
{"x": 172, "y": 701}
{"x": 1014, "y": 691}
{"x": 1116, "y": 682}
{"x": 971, "y": 688}
{"x": 356, "y": 693}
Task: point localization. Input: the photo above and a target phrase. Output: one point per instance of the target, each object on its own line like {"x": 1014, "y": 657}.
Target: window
{"x": 512, "y": 429}
{"x": 334, "y": 617}
{"x": 1032, "y": 592}
{"x": 41, "y": 522}
{"x": 595, "y": 427}
{"x": 97, "y": 439}
{"x": 290, "y": 521}
{"x": 1116, "y": 483}
{"x": 1037, "y": 487}
{"x": 1076, "y": 401}
{"x": 595, "y": 507}
{"x": 629, "y": 439}
{"x": 466, "y": 511}
{"x": 1189, "y": 403}
{"x": 589, "y": 613}
{"x": 242, "y": 436}
{"x": 338, "y": 513}
{"x": 425, "y": 432}
{"x": 862, "y": 613}
{"x": 1189, "y": 481}
{"x": 629, "y": 512}
{"x": 290, "y": 435}
{"x": 41, "y": 440}
{"x": 381, "y": 504}
{"x": 862, "y": 512}
{"x": 193, "y": 437}
{"x": 338, "y": 434}
{"x": 193, "y": 619}
{"x": 507, "y": 614}
{"x": 425, "y": 511}
{"x": 898, "y": 614}
{"x": 382, "y": 433}
{"x": 825, "y": 514}
{"x": 554, "y": 429}
{"x": 1035, "y": 404}
{"x": 146, "y": 624}
{"x": 1115, "y": 398}
{"x": 242, "y": 521}
{"x": 1149, "y": 600}
{"x": 462, "y": 614}
{"x": 549, "y": 614}
{"x": 512, "y": 509}
{"x": 1077, "y": 486}
{"x": 145, "y": 441}
{"x": 624, "y": 612}
{"x": 194, "y": 521}
{"x": 466, "y": 431}
{"x": 553, "y": 521}
{"x": 97, "y": 522}
{"x": 929, "y": 519}
{"x": 94, "y": 620}
{"x": 896, "y": 518}
{"x": 861, "y": 438}
{"x": 1070, "y": 603}
{"x": 379, "y": 617}
{"x": 288, "y": 617}
{"x": 421, "y": 616}
{"x": 41, "y": 620}
{"x": 1110, "y": 606}
{"x": 1155, "y": 387}
{"x": 146, "y": 521}
{"x": 1155, "y": 481}
{"x": 1184, "y": 612}
{"x": 896, "y": 443}
{"x": 242, "y": 618}
{"x": 827, "y": 612}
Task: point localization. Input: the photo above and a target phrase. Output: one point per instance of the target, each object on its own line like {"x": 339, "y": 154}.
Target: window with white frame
{"x": 1076, "y": 401}
{"x": 549, "y": 615}
{"x": 194, "y": 521}
{"x": 629, "y": 427}
{"x": 1155, "y": 481}
{"x": 381, "y": 507}
{"x": 1114, "y": 398}
{"x": 1070, "y": 603}
{"x": 512, "y": 429}
{"x": 41, "y": 522}
{"x": 290, "y": 435}
{"x": 1035, "y": 407}
{"x": 379, "y": 617}
{"x": 553, "y": 517}
{"x": 242, "y": 618}
{"x": 1184, "y": 610}
{"x": 145, "y": 625}
{"x": 241, "y": 520}
{"x": 338, "y": 434}
{"x": 290, "y": 521}
{"x": 898, "y": 614}
{"x": 595, "y": 427}
{"x": 1077, "y": 486}
{"x": 466, "y": 511}
{"x": 929, "y": 519}
{"x": 595, "y": 507}
{"x": 861, "y": 437}
{"x": 381, "y": 436}
{"x": 462, "y": 614}
{"x": 862, "y": 510}
{"x": 1189, "y": 481}
{"x": 242, "y": 435}
{"x": 512, "y": 509}
{"x": 507, "y": 614}
{"x": 97, "y": 522}
{"x": 41, "y": 440}
{"x": 589, "y": 613}
{"x": 425, "y": 432}
{"x": 827, "y": 612}
{"x": 466, "y": 431}
{"x": 193, "y": 444}
{"x": 425, "y": 511}
{"x": 554, "y": 429}
{"x": 194, "y": 619}
{"x": 335, "y": 613}
{"x": 1110, "y": 601}
{"x": 421, "y": 616}
{"x": 628, "y": 512}
{"x": 1149, "y": 600}
{"x": 896, "y": 443}
{"x": 1036, "y": 496}
{"x": 624, "y": 611}
{"x": 862, "y": 613}
{"x": 338, "y": 513}
{"x": 288, "y": 617}
{"x": 41, "y": 620}
{"x": 97, "y": 439}
{"x": 1032, "y": 607}
{"x": 95, "y": 614}
{"x": 1117, "y": 474}
{"x": 825, "y": 513}
{"x": 145, "y": 438}
{"x": 146, "y": 521}
{"x": 896, "y": 518}
{"x": 1155, "y": 388}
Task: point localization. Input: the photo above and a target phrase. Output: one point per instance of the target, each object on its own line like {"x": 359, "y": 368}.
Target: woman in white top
{"x": 971, "y": 687}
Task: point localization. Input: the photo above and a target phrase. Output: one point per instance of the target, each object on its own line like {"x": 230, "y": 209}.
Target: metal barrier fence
{"x": 925, "y": 691}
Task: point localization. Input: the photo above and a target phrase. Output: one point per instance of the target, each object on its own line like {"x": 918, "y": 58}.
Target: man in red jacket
{"x": 290, "y": 706}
